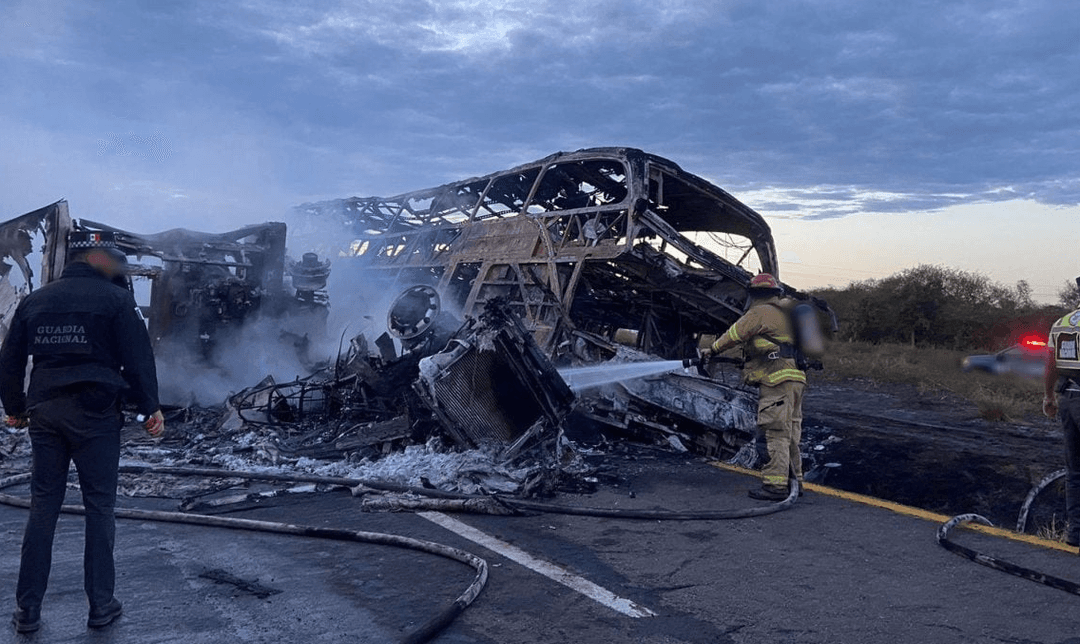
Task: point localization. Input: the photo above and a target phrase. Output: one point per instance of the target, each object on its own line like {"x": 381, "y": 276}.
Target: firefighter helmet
{"x": 765, "y": 282}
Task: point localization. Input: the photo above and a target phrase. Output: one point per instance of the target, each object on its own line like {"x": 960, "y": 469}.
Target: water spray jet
{"x": 581, "y": 378}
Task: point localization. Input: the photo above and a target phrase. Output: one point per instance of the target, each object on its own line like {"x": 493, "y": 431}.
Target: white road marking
{"x": 547, "y": 569}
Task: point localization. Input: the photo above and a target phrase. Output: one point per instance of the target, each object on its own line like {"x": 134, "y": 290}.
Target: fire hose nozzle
{"x": 702, "y": 362}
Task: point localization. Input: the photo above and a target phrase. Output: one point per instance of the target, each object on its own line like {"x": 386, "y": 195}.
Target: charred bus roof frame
{"x": 581, "y": 243}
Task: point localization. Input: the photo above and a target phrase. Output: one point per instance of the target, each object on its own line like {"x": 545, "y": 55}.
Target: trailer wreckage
{"x": 202, "y": 286}
{"x": 487, "y": 286}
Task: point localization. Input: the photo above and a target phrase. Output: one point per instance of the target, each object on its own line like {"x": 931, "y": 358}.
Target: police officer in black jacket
{"x": 90, "y": 348}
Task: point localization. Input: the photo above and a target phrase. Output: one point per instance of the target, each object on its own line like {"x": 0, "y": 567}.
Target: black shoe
{"x": 106, "y": 615}
{"x": 763, "y": 494}
{"x": 27, "y": 620}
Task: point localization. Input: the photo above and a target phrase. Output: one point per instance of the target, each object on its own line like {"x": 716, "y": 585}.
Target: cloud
{"x": 470, "y": 28}
{"x": 36, "y": 29}
{"x": 804, "y": 109}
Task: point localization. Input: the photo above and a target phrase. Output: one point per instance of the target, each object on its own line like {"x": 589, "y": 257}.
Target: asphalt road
{"x": 829, "y": 570}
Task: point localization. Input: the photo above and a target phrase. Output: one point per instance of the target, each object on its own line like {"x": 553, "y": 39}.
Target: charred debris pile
{"x": 470, "y": 407}
{"x": 487, "y": 286}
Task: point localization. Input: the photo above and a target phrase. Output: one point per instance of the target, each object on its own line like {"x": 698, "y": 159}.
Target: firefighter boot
{"x": 767, "y": 494}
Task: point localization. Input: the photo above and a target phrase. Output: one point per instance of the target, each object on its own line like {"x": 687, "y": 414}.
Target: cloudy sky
{"x": 873, "y": 135}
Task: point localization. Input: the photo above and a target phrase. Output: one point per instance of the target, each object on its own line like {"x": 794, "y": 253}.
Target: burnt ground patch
{"x": 931, "y": 451}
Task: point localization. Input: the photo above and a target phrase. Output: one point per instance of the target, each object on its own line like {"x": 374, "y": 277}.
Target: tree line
{"x": 942, "y": 307}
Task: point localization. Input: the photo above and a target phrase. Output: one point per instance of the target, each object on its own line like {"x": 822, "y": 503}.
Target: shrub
{"x": 938, "y": 307}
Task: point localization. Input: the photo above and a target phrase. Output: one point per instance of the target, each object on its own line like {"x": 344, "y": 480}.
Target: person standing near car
{"x": 1062, "y": 400}
{"x": 89, "y": 346}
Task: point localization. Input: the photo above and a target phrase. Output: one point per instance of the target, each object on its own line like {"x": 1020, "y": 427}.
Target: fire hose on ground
{"x": 1025, "y": 509}
{"x": 483, "y": 504}
{"x": 448, "y": 501}
{"x": 662, "y": 515}
{"x": 455, "y": 502}
{"x": 996, "y": 563}
{"x": 423, "y": 634}
{"x": 1021, "y": 527}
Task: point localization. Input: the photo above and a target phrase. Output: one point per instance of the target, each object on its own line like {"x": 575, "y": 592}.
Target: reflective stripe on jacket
{"x": 765, "y": 320}
{"x": 1064, "y": 342}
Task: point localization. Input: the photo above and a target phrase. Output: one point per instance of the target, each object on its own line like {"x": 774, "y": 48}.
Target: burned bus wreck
{"x": 465, "y": 306}
{"x": 604, "y": 254}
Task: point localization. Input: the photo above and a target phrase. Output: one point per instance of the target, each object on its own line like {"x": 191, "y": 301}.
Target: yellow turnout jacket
{"x": 756, "y": 330}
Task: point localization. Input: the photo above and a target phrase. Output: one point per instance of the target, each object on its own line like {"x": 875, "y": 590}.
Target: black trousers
{"x": 1069, "y": 404}
{"x": 83, "y": 427}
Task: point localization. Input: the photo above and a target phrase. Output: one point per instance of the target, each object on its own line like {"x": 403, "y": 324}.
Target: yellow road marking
{"x": 907, "y": 510}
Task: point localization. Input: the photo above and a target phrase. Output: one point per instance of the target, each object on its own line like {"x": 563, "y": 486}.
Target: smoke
{"x": 241, "y": 358}
{"x": 265, "y": 346}
{"x": 290, "y": 346}
{"x": 360, "y": 299}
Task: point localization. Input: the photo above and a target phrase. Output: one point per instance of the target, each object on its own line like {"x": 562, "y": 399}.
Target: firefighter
{"x": 766, "y": 335}
{"x": 90, "y": 347}
{"x": 1062, "y": 400}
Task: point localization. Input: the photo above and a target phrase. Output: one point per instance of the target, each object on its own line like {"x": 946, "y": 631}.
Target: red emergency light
{"x": 1033, "y": 342}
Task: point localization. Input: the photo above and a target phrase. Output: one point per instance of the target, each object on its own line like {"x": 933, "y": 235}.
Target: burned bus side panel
{"x": 17, "y": 239}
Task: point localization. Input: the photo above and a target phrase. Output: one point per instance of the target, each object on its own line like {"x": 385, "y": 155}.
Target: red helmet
{"x": 764, "y": 281}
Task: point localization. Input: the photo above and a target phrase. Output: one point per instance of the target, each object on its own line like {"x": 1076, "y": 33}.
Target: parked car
{"x": 1026, "y": 358}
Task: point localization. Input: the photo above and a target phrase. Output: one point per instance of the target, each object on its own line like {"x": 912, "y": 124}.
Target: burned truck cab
{"x": 198, "y": 290}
